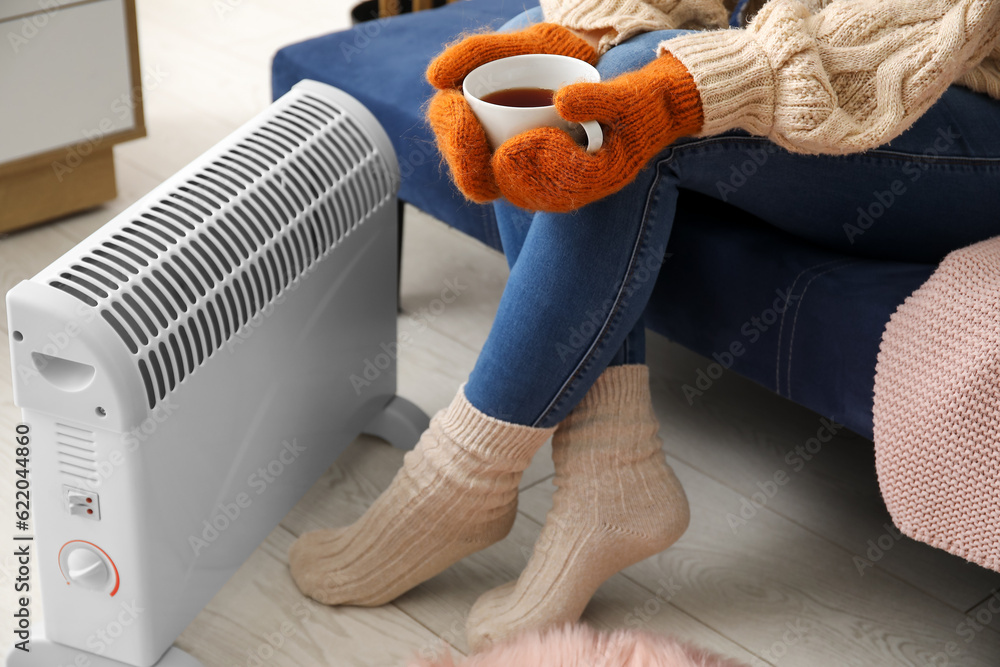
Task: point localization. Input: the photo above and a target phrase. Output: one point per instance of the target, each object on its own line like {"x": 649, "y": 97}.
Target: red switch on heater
{"x": 82, "y": 503}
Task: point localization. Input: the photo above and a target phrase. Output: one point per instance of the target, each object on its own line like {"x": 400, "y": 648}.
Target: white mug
{"x": 528, "y": 71}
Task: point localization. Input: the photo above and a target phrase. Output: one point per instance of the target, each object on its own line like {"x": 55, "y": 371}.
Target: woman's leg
{"x": 604, "y": 258}
{"x": 933, "y": 189}
{"x": 617, "y": 501}
{"x": 523, "y": 20}
{"x": 513, "y": 223}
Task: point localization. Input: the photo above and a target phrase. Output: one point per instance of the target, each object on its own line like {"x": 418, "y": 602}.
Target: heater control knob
{"x": 87, "y": 568}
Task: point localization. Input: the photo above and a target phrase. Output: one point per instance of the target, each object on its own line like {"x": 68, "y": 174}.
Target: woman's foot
{"x": 617, "y": 502}
{"x": 455, "y": 494}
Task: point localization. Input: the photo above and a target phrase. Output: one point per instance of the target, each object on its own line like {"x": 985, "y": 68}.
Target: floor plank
{"x": 746, "y": 437}
{"x": 248, "y": 30}
{"x": 178, "y": 133}
{"x": 984, "y": 616}
{"x": 443, "y": 602}
{"x": 260, "y": 614}
{"x": 789, "y": 596}
{"x": 464, "y": 270}
{"x": 447, "y": 598}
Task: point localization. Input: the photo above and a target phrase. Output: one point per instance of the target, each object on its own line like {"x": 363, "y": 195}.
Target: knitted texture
{"x": 843, "y": 78}
{"x": 463, "y": 144}
{"x": 450, "y": 68}
{"x": 455, "y": 494}
{"x": 616, "y": 503}
{"x": 460, "y": 138}
{"x": 937, "y": 408}
{"x": 641, "y": 112}
{"x": 624, "y": 19}
{"x": 581, "y": 646}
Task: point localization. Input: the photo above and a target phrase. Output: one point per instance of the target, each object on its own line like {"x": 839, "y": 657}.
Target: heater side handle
{"x": 400, "y": 423}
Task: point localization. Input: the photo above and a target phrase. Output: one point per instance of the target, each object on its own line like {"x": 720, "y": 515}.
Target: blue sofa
{"x": 728, "y": 275}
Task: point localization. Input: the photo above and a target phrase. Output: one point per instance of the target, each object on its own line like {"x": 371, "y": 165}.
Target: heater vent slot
{"x": 76, "y": 454}
{"x": 209, "y": 250}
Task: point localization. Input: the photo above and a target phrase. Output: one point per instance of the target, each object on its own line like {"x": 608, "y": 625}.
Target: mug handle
{"x": 595, "y": 136}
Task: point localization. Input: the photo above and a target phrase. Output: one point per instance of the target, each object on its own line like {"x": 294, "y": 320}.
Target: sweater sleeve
{"x": 843, "y": 79}
{"x": 627, "y": 18}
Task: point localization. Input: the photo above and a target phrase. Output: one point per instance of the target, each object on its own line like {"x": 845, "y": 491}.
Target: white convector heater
{"x": 190, "y": 369}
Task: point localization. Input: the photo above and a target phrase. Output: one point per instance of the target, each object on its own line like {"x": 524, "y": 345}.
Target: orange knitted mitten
{"x": 450, "y": 68}
{"x": 461, "y": 139}
{"x": 641, "y": 113}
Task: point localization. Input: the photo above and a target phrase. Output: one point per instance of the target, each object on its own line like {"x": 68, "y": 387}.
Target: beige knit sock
{"x": 617, "y": 502}
{"x": 455, "y": 494}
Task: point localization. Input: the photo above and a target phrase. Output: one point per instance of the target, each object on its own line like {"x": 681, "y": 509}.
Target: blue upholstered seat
{"x": 726, "y": 273}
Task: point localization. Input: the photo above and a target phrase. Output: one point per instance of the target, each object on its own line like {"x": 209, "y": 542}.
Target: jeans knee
{"x": 634, "y": 53}
{"x": 523, "y": 20}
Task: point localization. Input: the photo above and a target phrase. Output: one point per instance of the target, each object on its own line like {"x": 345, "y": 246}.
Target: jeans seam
{"x": 615, "y": 308}
{"x": 795, "y": 320}
{"x": 886, "y": 153}
{"x": 930, "y": 159}
{"x": 781, "y": 327}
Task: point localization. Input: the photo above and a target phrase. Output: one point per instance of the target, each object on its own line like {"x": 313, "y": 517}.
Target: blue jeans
{"x": 579, "y": 282}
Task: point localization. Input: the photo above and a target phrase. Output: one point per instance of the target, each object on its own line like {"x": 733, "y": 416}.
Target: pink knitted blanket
{"x": 937, "y": 408}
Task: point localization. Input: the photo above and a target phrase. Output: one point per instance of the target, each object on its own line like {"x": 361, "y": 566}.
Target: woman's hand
{"x": 641, "y": 113}
{"x": 460, "y": 138}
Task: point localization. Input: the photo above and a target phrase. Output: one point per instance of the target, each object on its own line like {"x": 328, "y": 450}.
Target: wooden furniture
{"x": 394, "y": 7}
{"x": 71, "y": 86}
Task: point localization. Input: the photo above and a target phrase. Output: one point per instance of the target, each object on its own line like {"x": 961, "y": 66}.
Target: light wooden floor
{"x": 783, "y": 588}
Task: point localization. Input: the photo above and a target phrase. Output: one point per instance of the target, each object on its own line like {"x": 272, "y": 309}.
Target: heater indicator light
{"x": 82, "y": 503}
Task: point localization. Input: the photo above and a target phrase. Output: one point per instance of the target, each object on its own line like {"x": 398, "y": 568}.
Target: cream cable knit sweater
{"x": 814, "y": 76}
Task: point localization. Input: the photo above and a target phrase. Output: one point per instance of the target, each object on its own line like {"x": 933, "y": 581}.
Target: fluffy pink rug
{"x": 581, "y": 646}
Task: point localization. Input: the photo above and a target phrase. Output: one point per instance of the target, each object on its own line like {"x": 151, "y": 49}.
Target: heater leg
{"x": 400, "y": 423}
{"x": 400, "y": 210}
{"x": 49, "y": 654}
